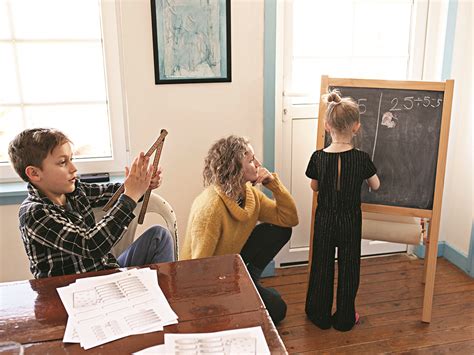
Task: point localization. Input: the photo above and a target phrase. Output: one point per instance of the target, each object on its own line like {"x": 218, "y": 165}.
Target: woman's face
{"x": 250, "y": 165}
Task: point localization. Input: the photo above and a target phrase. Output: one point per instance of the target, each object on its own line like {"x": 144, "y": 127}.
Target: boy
{"x": 56, "y": 221}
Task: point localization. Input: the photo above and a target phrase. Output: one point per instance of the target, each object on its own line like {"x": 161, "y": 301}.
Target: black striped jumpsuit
{"x": 337, "y": 223}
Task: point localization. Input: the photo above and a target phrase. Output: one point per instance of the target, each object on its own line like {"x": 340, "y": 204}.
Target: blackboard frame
{"x": 410, "y": 85}
{"x": 434, "y": 214}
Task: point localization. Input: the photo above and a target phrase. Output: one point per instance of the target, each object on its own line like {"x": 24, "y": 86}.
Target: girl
{"x": 223, "y": 218}
{"x": 337, "y": 172}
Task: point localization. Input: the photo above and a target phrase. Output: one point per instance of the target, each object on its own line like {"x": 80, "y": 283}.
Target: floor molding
{"x": 450, "y": 253}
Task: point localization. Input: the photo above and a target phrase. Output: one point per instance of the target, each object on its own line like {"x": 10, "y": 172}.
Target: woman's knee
{"x": 286, "y": 232}
{"x": 282, "y": 233}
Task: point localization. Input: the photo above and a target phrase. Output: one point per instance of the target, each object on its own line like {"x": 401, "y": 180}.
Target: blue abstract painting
{"x": 192, "y": 40}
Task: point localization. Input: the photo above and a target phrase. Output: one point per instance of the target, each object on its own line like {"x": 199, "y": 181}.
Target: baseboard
{"x": 471, "y": 252}
{"x": 449, "y": 253}
{"x": 456, "y": 257}
{"x": 420, "y": 250}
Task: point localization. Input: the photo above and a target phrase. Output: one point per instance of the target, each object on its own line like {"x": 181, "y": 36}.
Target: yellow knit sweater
{"x": 217, "y": 225}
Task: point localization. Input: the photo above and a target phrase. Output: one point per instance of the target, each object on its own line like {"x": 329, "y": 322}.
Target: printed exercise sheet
{"x": 243, "y": 341}
{"x": 109, "y": 307}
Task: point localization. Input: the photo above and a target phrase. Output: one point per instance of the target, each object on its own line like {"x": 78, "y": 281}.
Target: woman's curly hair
{"x": 223, "y": 165}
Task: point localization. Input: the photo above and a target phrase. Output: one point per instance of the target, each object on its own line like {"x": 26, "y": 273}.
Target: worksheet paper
{"x": 109, "y": 307}
{"x": 157, "y": 349}
{"x": 243, "y": 341}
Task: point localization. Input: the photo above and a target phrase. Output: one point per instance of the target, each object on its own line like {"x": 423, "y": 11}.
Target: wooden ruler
{"x": 157, "y": 146}
{"x": 156, "y": 160}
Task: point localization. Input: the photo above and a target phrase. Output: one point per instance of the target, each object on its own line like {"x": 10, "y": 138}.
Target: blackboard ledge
{"x": 401, "y": 211}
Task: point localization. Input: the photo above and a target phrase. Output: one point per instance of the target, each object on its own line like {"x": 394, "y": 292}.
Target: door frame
{"x": 428, "y": 24}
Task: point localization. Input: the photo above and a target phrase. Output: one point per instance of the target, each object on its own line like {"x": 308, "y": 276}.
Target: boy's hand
{"x": 156, "y": 180}
{"x": 138, "y": 177}
{"x": 263, "y": 176}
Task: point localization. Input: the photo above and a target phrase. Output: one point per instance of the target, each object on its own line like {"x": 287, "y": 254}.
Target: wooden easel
{"x": 434, "y": 214}
{"x": 157, "y": 146}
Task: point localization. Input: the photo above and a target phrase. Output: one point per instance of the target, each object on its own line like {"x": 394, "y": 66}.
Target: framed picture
{"x": 191, "y": 41}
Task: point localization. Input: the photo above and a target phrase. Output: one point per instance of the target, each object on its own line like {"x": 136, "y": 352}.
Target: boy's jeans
{"x": 155, "y": 245}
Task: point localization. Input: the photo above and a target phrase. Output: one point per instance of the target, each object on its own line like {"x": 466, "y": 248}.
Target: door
{"x": 373, "y": 39}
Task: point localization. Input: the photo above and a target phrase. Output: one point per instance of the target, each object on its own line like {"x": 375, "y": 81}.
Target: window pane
{"x": 322, "y": 28}
{"x": 11, "y": 124}
{"x": 55, "y": 72}
{"x": 388, "y": 30}
{"x": 4, "y": 23}
{"x": 86, "y": 125}
{"x": 349, "y": 38}
{"x": 52, "y": 74}
{"x": 8, "y": 82}
{"x": 36, "y": 19}
{"x": 307, "y": 72}
{"x": 376, "y": 68}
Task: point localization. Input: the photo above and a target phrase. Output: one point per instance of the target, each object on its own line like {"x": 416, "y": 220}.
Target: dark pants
{"x": 341, "y": 230}
{"x": 265, "y": 241}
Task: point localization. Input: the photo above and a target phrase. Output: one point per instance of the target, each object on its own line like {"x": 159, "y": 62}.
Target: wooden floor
{"x": 389, "y": 301}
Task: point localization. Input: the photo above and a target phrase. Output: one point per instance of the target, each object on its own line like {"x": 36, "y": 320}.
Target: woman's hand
{"x": 138, "y": 177}
{"x": 263, "y": 176}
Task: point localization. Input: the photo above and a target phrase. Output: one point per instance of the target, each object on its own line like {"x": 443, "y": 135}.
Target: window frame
{"x": 112, "y": 56}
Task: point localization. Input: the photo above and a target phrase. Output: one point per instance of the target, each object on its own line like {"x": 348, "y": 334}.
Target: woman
{"x": 223, "y": 218}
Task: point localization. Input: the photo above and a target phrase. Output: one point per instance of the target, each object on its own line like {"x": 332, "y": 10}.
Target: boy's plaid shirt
{"x": 61, "y": 241}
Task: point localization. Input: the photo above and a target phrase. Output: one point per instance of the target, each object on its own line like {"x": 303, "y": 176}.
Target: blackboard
{"x": 400, "y": 130}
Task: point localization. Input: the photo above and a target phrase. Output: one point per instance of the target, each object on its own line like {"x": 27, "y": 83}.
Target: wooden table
{"x": 208, "y": 295}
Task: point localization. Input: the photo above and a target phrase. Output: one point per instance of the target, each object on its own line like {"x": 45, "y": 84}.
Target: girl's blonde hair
{"x": 341, "y": 112}
{"x": 223, "y": 165}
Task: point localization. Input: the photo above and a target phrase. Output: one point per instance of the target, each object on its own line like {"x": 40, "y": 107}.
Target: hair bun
{"x": 333, "y": 96}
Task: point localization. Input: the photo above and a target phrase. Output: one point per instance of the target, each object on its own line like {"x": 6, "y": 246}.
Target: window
{"x": 347, "y": 38}
{"x": 57, "y": 60}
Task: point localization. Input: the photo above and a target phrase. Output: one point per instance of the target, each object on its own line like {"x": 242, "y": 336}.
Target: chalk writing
{"x": 400, "y": 130}
{"x": 411, "y": 102}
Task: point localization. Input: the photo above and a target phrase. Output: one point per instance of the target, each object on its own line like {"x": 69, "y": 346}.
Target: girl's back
{"x": 340, "y": 177}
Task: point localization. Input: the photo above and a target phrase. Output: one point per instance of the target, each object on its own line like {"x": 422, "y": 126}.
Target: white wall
{"x": 195, "y": 115}
{"x": 457, "y": 211}
{"x": 14, "y": 264}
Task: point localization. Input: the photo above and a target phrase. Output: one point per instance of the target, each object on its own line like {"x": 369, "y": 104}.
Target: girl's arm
{"x": 314, "y": 185}
{"x": 374, "y": 182}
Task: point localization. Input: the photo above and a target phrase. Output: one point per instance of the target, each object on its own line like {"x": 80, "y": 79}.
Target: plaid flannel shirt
{"x": 61, "y": 241}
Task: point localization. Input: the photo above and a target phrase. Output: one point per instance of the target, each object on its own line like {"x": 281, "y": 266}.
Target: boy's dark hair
{"x": 32, "y": 146}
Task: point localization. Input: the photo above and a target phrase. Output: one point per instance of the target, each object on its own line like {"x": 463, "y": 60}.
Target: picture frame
{"x": 191, "y": 41}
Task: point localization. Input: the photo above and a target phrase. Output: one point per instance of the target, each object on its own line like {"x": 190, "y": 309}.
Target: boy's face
{"x": 57, "y": 175}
